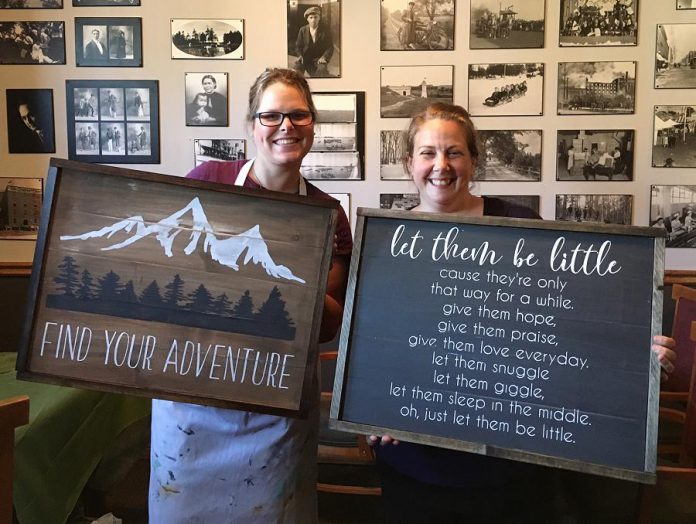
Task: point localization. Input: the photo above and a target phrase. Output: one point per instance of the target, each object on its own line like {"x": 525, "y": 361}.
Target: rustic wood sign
{"x": 176, "y": 288}
{"x": 520, "y": 339}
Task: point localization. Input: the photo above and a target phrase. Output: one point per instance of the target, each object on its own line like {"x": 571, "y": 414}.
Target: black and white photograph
{"x": 507, "y": 25}
{"x": 406, "y": 90}
{"x": 218, "y": 150}
{"x": 675, "y": 56}
{"x": 673, "y": 208}
{"x": 506, "y": 89}
{"x": 30, "y": 121}
{"x": 344, "y": 199}
{"x": 20, "y": 207}
{"x": 596, "y": 88}
{"x": 206, "y": 99}
{"x": 113, "y": 121}
{"x": 512, "y": 156}
{"x": 216, "y": 39}
{"x": 598, "y": 154}
{"x": 108, "y": 42}
{"x": 314, "y": 37}
{"x": 598, "y": 23}
{"x": 674, "y": 136}
{"x": 392, "y": 152}
{"x": 105, "y": 3}
{"x": 339, "y": 142}
{"x": 32, "y": 43}
{"x": 31, "y": 4}
{"x": 400, "y": 201}
{"x": 421, "y": 25}
{"x": 530, "y": 201}
{"x": 602, "y": 209}
{"x": 686, "y": 4}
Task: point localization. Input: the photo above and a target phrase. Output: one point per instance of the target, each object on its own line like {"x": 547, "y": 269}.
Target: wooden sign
{"x": 176, "y": 288}
{"x": 513, "y": 338}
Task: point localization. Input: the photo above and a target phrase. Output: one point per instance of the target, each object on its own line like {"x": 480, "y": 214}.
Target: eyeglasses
{"x": 275, "y": 118}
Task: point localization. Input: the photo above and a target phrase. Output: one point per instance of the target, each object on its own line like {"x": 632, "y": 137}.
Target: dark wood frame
{"x": 337, "y": 422}
{"x": 58, "y": 170}
{"x": 135, "y": 23}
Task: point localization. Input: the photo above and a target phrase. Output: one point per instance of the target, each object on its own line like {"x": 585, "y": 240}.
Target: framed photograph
{"x": 595, "y": 154}
{"x": 512, "y": 156}
{"x": 338, "y": 151}
{"x": 113, "y": 121}
{"x": 686, "y": 4}
{"x": 675, "y": 60}
{"x": 674, "y": 136}
{"x": 206, "y": 99}
{"x": 600, "y": 209}
{"x": 673, "y": 208}
{"x": 125, "y": 255}
{"x": 344, "y": 199}
{"x": 218, "y": 150}
{"x": 392, "y": 152}
{"x": 209, "y": 39}
{"x": 402, "y": 201}
{"x": 32, "y": 43}
{"x": 105, "y": 3}
{"x": 599, "y": 23}
{"x": 417, "y": 26}
{"x": 596, "y": 88}
{"x": 20, "y": 207}
{"x": 30, "y": 127}
{"x": 405, "y": 90}
{"x": 495, "y": 25}
{"x": 314, "y": 37}
{"x": 506, "y": 89}
{"x": 530, "y": 201}
{"x": 108, "y": 42}
{"x": 31, "y": 4}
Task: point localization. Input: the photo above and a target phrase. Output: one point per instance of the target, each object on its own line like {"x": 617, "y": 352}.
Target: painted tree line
{"x": 107, "y": 294}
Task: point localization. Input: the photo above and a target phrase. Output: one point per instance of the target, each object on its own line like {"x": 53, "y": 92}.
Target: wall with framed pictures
{"x": 535, "y": 83}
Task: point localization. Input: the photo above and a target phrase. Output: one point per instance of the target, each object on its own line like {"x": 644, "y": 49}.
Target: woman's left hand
{"x": 663, "y": 347}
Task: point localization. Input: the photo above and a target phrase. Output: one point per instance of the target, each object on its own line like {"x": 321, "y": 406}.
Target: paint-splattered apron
{"x": 211, "y": 465}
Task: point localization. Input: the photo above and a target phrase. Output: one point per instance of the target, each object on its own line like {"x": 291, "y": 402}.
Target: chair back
{"x": 684, "y": 314}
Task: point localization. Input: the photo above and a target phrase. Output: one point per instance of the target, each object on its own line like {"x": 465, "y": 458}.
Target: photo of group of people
{"x": 605, "y": 154}
{"x": 32, "y": 42}
{"x": 673, "y": 208}
{"x": 508, "y": 25}
{"x": 599, "y": 23}
{"x": 674, "y": 136}
{"x": 108, "y": 42}
{"x": 113, "y": 121}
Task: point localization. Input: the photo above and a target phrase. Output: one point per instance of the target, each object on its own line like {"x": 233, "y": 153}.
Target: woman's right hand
{"x": 384, "y": 440}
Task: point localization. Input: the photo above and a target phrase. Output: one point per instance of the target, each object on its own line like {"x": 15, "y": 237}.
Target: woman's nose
{"x": 441, "y": 162}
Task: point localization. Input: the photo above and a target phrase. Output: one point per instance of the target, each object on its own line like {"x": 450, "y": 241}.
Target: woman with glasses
{"x": 222, "y": 465}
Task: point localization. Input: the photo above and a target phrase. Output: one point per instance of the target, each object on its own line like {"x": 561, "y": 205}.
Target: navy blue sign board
{"x": 521, "y": 339}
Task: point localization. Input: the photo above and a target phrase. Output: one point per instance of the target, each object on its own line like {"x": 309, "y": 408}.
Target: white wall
{"x": 361, "y": 58}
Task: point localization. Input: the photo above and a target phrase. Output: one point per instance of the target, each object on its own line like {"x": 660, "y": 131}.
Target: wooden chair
{"x": 14, "y": 412}
{"x": 677, "y": 387}
{"x": 344, "y": 457}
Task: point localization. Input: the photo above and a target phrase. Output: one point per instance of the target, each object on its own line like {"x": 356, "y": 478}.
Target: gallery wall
{"x": 361, "y": 58}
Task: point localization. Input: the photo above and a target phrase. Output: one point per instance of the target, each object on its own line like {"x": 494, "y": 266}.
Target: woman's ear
{"x": 407, "y": 165}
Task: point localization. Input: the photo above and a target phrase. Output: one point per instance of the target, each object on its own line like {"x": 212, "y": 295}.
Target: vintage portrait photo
{"x": 674, "y": 136}
{"x": 314, "y": 37}
{"x": 20, "y": 207}
{"x": 208, "y": 39}
{"x": 108, "y": 42}
{"x": 339, "y": 143}
{"x": 401, "y": 201}
{"x": 600, "y": 154}
{"x": 686, "y": 4}
{"x": 603, "y": 209}
{"x": 206, "y": 99}
{"x": 513, "y": 156}
{"x": 673, "y": 208}
{"x": 530, "y": 201}
{"x": 392, "y": 152}
{"x": 105, "y": 3}
{"x": 598, "y": 23}
{"x": 31, "y": 4}
{"x": 675, "y": 56}
{"x": 496, "y": 24}
{"x": 421, "y": 25}
{"x": 506, "y": 89}
{"x": 32, "y": 43}
{"x": 591, "y": 88}
{"x": 405, "y": 90}
{"x": 30, "y": 121}
{"x": 218, "y": 150}
{"x": 113, "y": 121}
